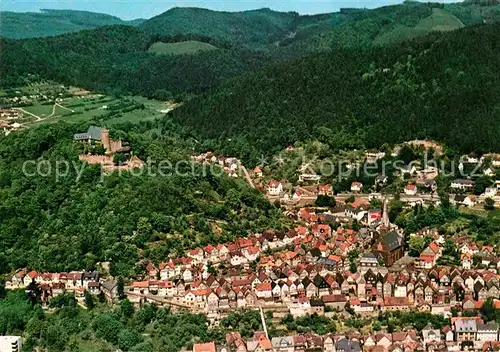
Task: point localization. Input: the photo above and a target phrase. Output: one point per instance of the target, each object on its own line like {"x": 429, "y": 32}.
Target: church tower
{"x": 385, "y": 226}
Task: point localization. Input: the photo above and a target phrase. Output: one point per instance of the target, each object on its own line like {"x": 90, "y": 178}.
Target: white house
{"x": 462, "y": 184}
{"x": 11, "y": 343}
{"x": 356, "y": 186}
{"x": 487, "y": 332}
{"x": 275, "y": 188}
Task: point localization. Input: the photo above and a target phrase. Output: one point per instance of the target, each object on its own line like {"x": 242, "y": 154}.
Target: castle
{"x": 98, "y": 134}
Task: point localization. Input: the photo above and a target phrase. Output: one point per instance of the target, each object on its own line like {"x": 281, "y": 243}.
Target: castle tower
{"x": 106, "y": 143}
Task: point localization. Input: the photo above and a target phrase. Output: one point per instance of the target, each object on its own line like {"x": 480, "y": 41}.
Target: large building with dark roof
{"x": 389, "y": 247}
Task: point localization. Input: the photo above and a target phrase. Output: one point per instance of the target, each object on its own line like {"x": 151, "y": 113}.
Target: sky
{"x": 130, "y": 9}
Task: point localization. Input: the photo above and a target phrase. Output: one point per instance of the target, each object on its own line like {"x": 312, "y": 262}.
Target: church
{"x": 389, "y": 244}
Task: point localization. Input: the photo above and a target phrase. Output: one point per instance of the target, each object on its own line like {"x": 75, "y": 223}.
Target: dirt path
{"x": 38, "y": 118}
{"x": 63, "y": 107}
{"x": 247, "y": 176}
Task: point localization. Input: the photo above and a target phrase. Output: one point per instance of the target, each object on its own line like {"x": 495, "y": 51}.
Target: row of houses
{"x": 464, "y": 334}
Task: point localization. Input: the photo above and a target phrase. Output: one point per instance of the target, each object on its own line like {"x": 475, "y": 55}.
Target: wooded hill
{"x": 115, "y": 59}
{"x": 443, "y": 86}
{"x": 71, "y": 223}
{"x": 18, "y": 25}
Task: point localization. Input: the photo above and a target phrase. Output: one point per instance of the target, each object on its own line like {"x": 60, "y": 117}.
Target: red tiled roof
{"x": 204, "y": 347}
{"x": 266, "y": 286}
{"x": 140, "y": 284}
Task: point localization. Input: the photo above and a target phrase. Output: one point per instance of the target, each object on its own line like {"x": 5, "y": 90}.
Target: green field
{"x": 440, "y": 20}
{"x": 181, "y": 48}
{"x": 107, "y": 109}
{"x": 39, "y": 109}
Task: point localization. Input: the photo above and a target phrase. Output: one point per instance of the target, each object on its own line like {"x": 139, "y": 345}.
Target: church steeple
{"x": 385, "y": 217}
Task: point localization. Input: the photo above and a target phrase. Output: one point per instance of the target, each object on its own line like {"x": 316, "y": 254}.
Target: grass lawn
{"x": 181, "y": 48}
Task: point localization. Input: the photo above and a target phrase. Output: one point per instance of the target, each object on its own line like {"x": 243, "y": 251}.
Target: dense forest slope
{"x": 444, "y": 86}
{"x": 115, "y": 58}
{"x": 362, "y": 28}
{"x": 18, "y": 25}
{"x": 250, "y": 28}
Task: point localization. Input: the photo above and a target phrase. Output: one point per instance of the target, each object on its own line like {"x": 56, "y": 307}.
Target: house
{"x": 381, "y": 179}
{"x": 325, "y": 190}
{"x": 354, "y": 213}
{"x": 264, "y": 290}
{"x": 431, "y": 335}
{"x": 337, "y": 302}
{"x": 98, "y": 134}
{"x": 11, "y": 343}
{"x": 257, "y": 172}
{"x": 425, "y": 261}
{"x": 429, "y": 173}
{"x": 465, "y": 329}
{"x": 356, "y": 186}
{"x": 389, "y": 247}
{"x": 409, "y": 169}
{"x": 411, "y": 190}
{"x": 462, "y": 184}
{"x": 346, "y": 345}
{"x": 448, "y": 333}
{"x": 110, "y": 289}
{"x": 466, "y": 261}
{"x": 275, "y": 188}
{"x": 283, "y": 344}
{"x": 204, "y": 347}
{"x": 487, "y": 332}
{"x": 490, "y": 171}
{"x": 467, "y": 201}
{"x": 490, "y": 192}
{"x": 373, "y": 155}
{"x": 368, "y": 260}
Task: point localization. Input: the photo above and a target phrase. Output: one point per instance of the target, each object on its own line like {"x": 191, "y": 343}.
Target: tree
{"x": 489, "y": 204}
{"x": 416, "y": 246}
{"x": 210, "y": 268}
{"x": 350, "y": 199}
{"x": 128, "y": 338}
{"x": 34, "y": 292}
{"x": 89, "y": 300}
{"x": 120, "y": 288}
{"x": 325, "y": 201}
{"x": 487, "y": 310}
{"x": 126, "y": 308}
{"x": 119, "y": 158}
{"x": 107, "y": 327}
{"x": 481, "y": 183}
{"x": 2, "y": 290}
{"x": 63, "y": 300}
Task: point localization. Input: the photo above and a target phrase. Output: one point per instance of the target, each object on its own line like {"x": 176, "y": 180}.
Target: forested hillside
{"x": 248, "y": 28}
{"x": 443, "y": 86}
{"x": 19, "y": 25}
{"x": 73, "y": 222}
{"x": 116, "y": 59}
